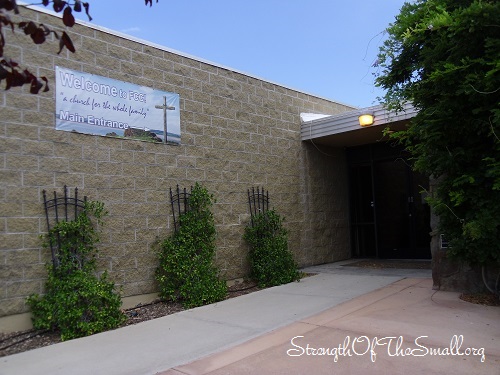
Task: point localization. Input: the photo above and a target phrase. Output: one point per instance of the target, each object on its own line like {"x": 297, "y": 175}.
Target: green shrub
{"x": 186, "y": 271}
{"x": 76, "y": 301}
{"x": 270, "y": 260}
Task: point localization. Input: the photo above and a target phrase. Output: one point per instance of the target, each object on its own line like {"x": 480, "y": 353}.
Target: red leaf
{"x": 78, "y": 6}
{"x": 87, "y": 6}
{"x": 8, "y": 81}
{"x": 38, "y": 36}
{"x": 65, "y": 41}
{"x": 3, "y": 73}
{"x": 28, "y": 76}
{"x": 45, "y": 2}
{"x": 12, "y": 64}
{"x": 15, "y": 79}
{"x": 36, "y": 85}
{"x": 9, "y": 5}
{"x": 45, "y": 29}
{"x": 59, "y": 5}
{"x": 46, "y": 88}
{"x": 68, "y": 18}
{"x": 28, "y": 28}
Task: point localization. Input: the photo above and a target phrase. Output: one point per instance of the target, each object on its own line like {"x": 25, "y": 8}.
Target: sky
{"x": 320, "y": 47}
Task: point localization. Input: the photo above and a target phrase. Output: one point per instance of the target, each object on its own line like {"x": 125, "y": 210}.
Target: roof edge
{"x": 37, "y": 8}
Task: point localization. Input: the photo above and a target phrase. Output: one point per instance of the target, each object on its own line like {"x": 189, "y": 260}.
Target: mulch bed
{"x": 17, "y": 342}
{"x": 486, "y": 299}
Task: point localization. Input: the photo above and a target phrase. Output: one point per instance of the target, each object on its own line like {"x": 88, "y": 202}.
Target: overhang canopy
{"x": 343, "y": 130}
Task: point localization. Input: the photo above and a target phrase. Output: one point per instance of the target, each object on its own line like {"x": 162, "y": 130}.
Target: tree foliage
{"x": 186, "y": 271}
{"x": 10, "y": 71}
{"x": 271, "y": 262}
{"x": 444, "y": 57}
{"x": 77, "y": 302}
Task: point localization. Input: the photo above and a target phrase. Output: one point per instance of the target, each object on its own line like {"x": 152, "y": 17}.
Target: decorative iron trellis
{"x": 180, "y": 204}
{"x": 258, "y": 202}
{"x": 65, "y": 208}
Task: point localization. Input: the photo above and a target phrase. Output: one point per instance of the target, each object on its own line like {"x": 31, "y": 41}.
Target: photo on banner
{"x": 91, "y": 104}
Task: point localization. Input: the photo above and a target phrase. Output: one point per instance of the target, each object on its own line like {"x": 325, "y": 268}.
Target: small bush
{"x": 270, "y": 260}
{"x": 186, "y": 271}
{"x": 77, "y": 302}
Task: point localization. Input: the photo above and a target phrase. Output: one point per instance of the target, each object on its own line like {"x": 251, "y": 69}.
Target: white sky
{"x": 321, "y": 47}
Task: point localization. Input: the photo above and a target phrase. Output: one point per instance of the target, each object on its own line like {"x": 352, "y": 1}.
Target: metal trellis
{"x": 64, "y": 208}
{"x": 180, "y": 204}
{"x": 258, "y": 202}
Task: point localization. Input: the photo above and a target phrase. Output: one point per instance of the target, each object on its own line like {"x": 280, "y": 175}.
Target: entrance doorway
{"x": 389, "y": 215}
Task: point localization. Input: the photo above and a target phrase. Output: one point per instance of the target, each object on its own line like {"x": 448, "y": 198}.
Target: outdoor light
{"x": 366, "y": 119}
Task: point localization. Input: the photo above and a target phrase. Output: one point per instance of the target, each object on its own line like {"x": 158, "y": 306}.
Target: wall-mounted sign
{"x": 91, "y": 104}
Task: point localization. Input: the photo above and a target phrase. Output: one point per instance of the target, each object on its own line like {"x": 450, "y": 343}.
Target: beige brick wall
{"x": 237, "y": 132}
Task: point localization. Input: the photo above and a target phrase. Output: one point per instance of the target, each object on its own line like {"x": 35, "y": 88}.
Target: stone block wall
{"x": 237, "y": 132}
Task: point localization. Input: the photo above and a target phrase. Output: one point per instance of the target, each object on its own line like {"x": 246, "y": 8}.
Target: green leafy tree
{"x": 186, "y": 271}
{"x": 77, "y": 302}
{"x": 271, "y": 262}
{"x": 444, "y": 57}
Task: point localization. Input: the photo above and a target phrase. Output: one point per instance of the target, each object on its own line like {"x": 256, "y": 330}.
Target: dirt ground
{"x": 486, "y": 299}
{"x": 17, "y": 342}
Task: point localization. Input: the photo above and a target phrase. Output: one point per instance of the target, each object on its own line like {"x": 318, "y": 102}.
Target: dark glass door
{"x": 391, "y": 200}
{"x": 389, "y": 216}
{"x": 403, "y": 221}
{"x": 362, "y": 214}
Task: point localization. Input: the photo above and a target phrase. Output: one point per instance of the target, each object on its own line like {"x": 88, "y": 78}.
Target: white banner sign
{"x": 92, "y": 104}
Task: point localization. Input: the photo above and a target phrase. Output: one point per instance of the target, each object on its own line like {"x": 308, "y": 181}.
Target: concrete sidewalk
{"x": 251, "y": 334}
{"x": 402, "y": 328}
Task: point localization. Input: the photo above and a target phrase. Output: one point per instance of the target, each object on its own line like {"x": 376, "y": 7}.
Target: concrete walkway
{"x": 252, "y": 334}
